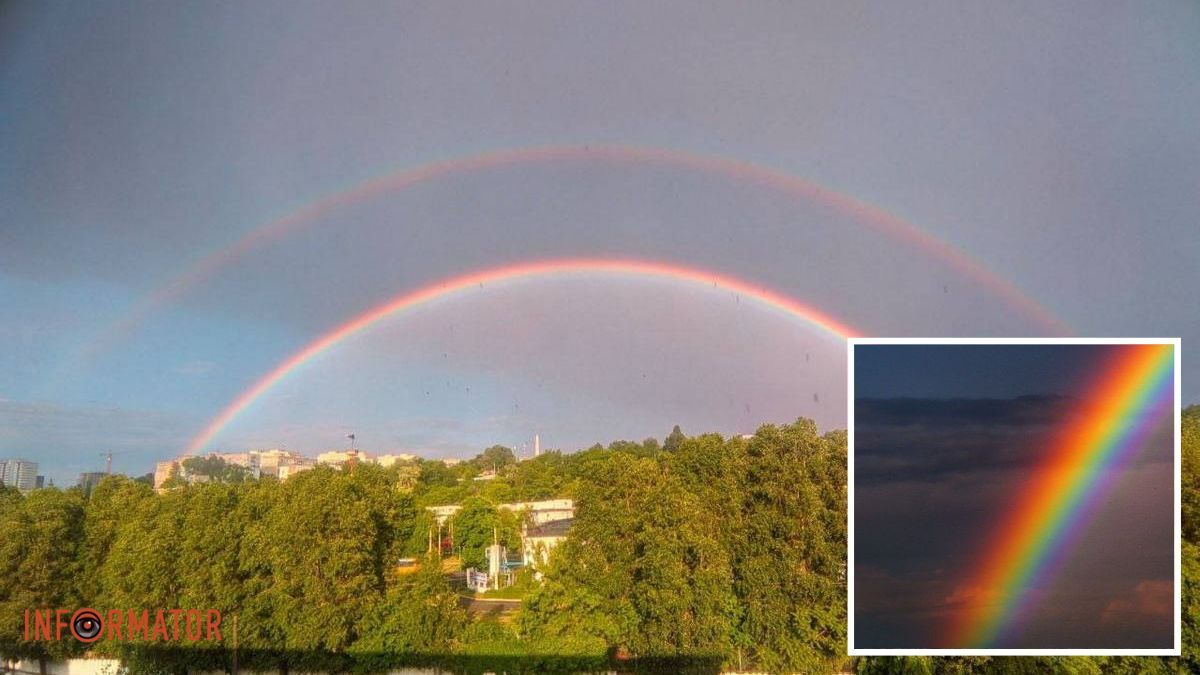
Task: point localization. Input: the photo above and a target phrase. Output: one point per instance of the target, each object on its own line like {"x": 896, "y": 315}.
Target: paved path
{"x": 496, "y": 608}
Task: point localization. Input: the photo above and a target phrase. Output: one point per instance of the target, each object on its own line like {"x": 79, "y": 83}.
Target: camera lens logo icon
{"x": 86, "y": 625}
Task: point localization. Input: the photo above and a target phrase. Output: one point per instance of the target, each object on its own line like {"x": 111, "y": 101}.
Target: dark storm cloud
{"x": 931, "y": 440}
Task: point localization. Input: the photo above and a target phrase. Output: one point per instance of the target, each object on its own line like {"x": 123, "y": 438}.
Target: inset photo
{"x": 1014, "y": 496}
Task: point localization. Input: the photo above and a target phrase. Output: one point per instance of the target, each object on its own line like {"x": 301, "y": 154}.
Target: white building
{"x": 286, "y": 471}
{"x": 273, "y": 462}
{"x": 19, "y": 473}
{"x": 544, "y": 511}
{"x": 251, "y": 461}
{"x": 339, "y": 457}
{"x": 539, "y": 512}
{"x": 444, "y": 513}
{"x": 390, "y": 460}
{"x": 537, "y": 541}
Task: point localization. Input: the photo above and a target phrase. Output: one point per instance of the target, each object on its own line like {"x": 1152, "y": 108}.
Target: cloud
{"x": 67, "y": 439}
{"x": 1147, "y": 599}
{"x": 918, "y": 439}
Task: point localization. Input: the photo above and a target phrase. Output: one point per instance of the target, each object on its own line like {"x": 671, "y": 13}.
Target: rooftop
{"x": 553, "y": 528}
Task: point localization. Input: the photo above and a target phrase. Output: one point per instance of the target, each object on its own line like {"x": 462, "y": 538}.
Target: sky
{"x": 1052, "y": 144}
{"x": 946, "y": 438}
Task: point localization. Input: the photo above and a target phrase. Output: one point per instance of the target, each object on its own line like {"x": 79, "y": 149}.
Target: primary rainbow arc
{"x": 421, "y": 296}
{"x": 1128, "y": 397}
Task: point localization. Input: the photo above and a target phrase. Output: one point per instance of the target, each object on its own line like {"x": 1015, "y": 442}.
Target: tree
{"x": 215, "y": 469}
{"x": 496, "y": 457}
{"x": 38, "y": 565}
{"x": 790, "y": 560}
{"x": 546, "y": 476}
{"x": 1190, "y": 437}
{"x": 113, "y": 501}
{"x": 140, "y": 567}
{"x": 319, "y": 555}
{"x": 418, "y": 615}
{"x": 643, "y": 569}
{"x": 476, "y": 524}
{"x": 674, "y": 440}
{"x": 435, "y": 473}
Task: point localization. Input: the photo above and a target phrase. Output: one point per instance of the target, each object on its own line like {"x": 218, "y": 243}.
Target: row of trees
{"x": 731, "y": 551}
{"x": 701, "y": 552}
{"x": 305, "y": 565}
{"x": 673, "y": 547}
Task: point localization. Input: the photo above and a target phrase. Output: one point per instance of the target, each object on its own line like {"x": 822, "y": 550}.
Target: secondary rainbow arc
{"x": 421, "y": 296}
{"x": 1128, "y": 398}
{"x": 863, "y": 212}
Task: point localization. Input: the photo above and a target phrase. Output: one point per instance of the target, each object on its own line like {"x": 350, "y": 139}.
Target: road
{"x": 498, "y": 609}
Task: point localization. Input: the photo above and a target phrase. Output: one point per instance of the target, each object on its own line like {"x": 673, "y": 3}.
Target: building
{"x": 339, "y": 457}
{"x": 250, "y": 461}
{"x": 19, "y": 473}
{"x": 537, "y": 512}
{"x": 163, "y": 471}
{"x": 89, "y": 480}
{"x": 390, "y": 460}
{"x": 544, "y": 511}
{"x": 270, "y": 461}
{"x": 444, "y": 513}
{"x": 537, "y": 541}
{"x": 286, "y": 471}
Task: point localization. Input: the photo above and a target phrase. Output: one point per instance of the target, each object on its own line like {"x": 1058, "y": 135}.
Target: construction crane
{"x": 107, "y": 462}
{"x": 352, "y": 460}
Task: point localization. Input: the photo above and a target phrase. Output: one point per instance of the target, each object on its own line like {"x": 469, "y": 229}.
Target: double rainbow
{"x": 1134, "y": 388}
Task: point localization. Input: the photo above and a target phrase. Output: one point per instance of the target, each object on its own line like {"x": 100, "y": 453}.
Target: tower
{"x": 537, "y": 445}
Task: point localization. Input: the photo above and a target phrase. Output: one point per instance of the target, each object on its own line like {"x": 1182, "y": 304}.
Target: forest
{"x": 696, "y": 554}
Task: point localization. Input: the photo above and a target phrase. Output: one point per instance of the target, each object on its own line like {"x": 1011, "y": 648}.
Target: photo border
{"x": 852, "y": 343}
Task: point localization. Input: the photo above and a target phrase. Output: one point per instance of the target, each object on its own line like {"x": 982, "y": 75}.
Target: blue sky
{"x": 1055, "y": 143}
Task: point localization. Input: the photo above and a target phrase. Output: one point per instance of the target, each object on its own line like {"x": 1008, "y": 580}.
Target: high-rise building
{"x": 19, "y": 473}
{"x": 89, "y": 480}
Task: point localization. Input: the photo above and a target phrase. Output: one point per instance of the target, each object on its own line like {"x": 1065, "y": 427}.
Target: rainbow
{"x": 863, "y": 212}
{"x": 1132, "y": 390}
{"x": 427, "y": 294}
